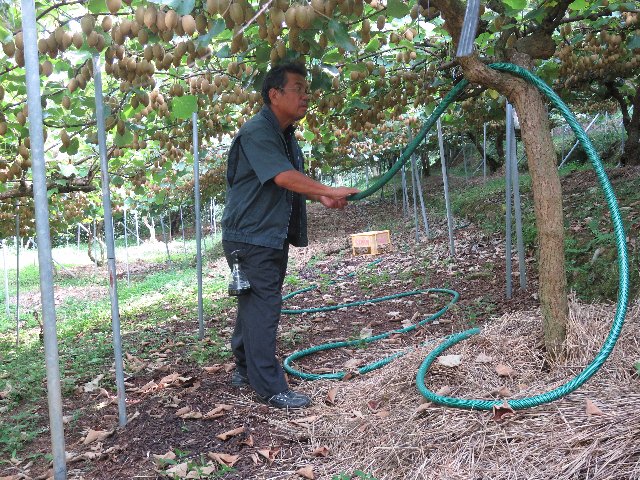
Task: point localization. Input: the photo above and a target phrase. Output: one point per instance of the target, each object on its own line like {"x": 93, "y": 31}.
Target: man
{"x": 265, "y": 212}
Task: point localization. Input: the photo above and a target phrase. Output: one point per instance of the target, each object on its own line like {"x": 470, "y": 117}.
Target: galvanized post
{"x": 6, "y": 279}
{"x": 108, "y": 231}
{"x": 164, "y": 239}
{"x": 508, "y": 178}
{"x": 484, "y": 154}
{"x": 18, "y": 266}
{"x": 126, "y": 247}
{"x": 196, "y": 188}
{"x": 41, "y": 203}
{"x": 445, "y": 182}
{"x": 184, "y": 242}
{"x": 515, "y": 185}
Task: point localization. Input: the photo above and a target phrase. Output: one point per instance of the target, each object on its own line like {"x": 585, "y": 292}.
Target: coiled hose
{"x": 479, "y": 404}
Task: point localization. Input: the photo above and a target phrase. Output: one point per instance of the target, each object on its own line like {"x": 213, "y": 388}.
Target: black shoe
{"x": 287, "y": 399}
{"x": 239, "y": 380}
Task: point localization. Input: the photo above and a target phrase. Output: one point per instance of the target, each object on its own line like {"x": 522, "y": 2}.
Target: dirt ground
{"x": 198, "y": 422}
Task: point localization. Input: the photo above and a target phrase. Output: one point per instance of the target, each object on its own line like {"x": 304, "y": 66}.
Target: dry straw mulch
{"x": 380, "y": 424}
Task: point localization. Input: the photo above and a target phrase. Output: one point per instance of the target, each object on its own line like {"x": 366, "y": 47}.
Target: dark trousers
{"x": 254, "y": 338}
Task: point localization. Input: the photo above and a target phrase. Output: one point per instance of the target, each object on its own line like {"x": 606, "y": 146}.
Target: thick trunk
{"x": 631, "y": 154}
{"x": 547, "y": 199}
{"x": 545, "y": 182}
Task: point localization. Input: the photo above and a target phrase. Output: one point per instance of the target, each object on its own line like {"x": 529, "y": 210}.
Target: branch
{"x": 27, "y": 190}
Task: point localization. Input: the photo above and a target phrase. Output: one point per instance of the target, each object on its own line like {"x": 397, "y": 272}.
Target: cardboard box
{"x": 371, "y": 243}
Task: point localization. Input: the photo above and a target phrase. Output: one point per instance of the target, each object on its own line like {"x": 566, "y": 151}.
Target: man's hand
{"x": 337, "y": 198}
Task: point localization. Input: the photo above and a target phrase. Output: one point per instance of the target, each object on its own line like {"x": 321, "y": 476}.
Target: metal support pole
{"x": 515, "y": 184}
{"x": 484, "y": 154}
{"x": 508, "y": 178}
{"x": 414, "y": 166}
{"x": 18, "y": 265}
{"x": 6, "y": 279}
{"x": 126, "y": 247}
{"x": 41, "y": 204}
{"x": 469, "y": 29}
{"x": 135, "y": 215}
{"x": 108, "y": 231}
{"x": 445, "y": 182}
{"x": 196, "y": 188}
{"x": 184, "y": 242}
{"x": 215, "y": 222}
{"x": 78, "y": 237}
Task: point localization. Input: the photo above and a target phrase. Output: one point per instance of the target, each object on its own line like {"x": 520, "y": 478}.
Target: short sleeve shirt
{"x": 257, "y": 211}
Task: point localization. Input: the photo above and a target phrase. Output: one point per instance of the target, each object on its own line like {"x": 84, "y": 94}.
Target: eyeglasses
{"x": 298, "y": 90}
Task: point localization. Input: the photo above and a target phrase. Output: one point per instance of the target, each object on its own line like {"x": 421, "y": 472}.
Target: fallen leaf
{"x": 94, "y": 435}
{"x": 169, "y": 379}
{"x": 229, "y": 367}
{"x": 382, "y": 414}
{"x": 192, "y": 414}
{"x": 331, "y": 396}
{"x": 483, "y": 358}
{"x": 224, "y": 458}
{"x": 254, "y": 457}
{"x": 322, "y": 451}
{"x": 366, "y": 332}
{"x": 501, "y": 392}
{"x": 248, "y": 441}
{"x": 162, "y": 460}
{"x": 182, "y": 411}
{"x": 179, "y": 471}
{"x": 374, "y": 405}
{"x": 504, "y": 370}
{"x": 306, "y": 472}
{"x": 306, "y": 421}
{"x": 218, "y": 411}
{"x": 230, "y": 433}
{"x": 352, "y": 363}
{"x": 5, "y": 393}
{"x": 502, "y": 412}
{"x": 450, "y": 360}
{"x": 269, "y": 453}
{"x": 444, "y": 391}
{"x": 92, "y": 385}
{"x": 213, "y": 368}
{"x": 422, "y": 407}
{"x": 592, "y": 409}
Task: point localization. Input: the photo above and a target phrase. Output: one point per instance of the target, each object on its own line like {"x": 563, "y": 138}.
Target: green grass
{"x": 149, "y": 310}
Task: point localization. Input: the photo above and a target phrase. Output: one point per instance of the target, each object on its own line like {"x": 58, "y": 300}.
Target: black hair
{"x": 276, "y": 77}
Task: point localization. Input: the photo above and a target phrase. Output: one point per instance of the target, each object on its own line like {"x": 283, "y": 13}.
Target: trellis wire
{"x": 109, "y": 240}
{"x": 41, "y": 206}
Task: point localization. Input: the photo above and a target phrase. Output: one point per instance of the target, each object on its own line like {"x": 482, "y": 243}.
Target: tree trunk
{"x": 545, "y": 182}
{"x": 152, "y": 228}
{"x": 631, "y": 154}
{"x": 424, "y": 159}
{"x": 492, "y": 163}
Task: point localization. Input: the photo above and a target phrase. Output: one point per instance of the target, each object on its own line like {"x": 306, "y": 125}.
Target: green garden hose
{"x": 623, "y": 278}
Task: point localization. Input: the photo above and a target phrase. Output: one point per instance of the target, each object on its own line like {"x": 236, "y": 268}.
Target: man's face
{"x": 290, "y": 102}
